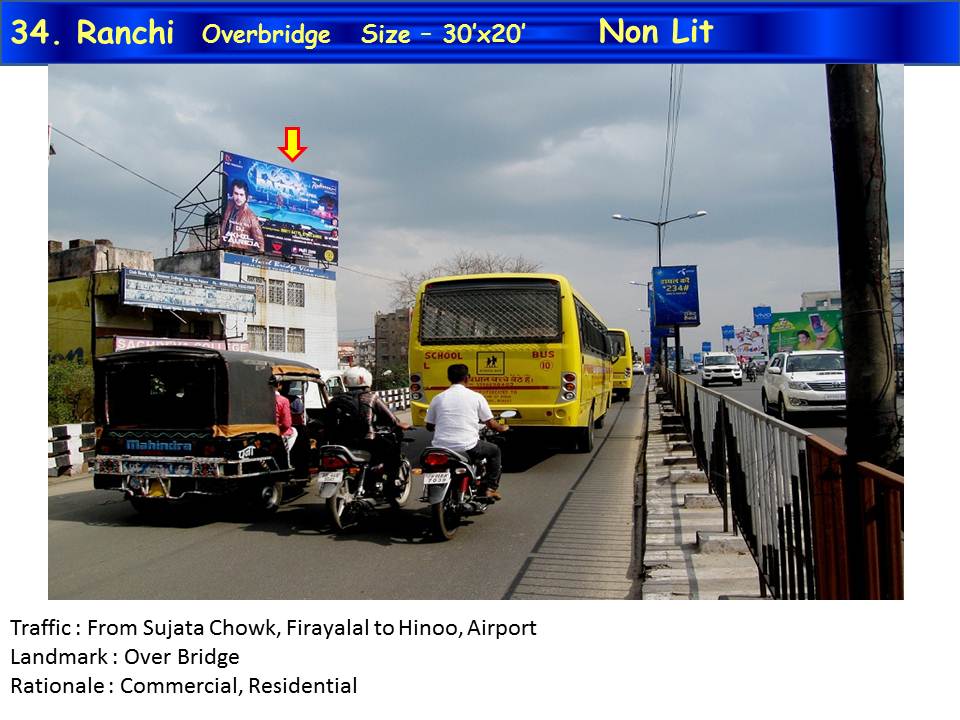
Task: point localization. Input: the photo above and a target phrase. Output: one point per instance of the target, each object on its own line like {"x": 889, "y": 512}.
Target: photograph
{"x": 475, "y": 332}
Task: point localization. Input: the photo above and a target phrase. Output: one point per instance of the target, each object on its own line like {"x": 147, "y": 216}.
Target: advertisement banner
{"x": 278, "y": 211}
{"x": 821, "y": 330}
{"x": 127, "y": 343}
{"x": 705, "y": 346}
{"x": 676, "y": 300}
{"x": 749, "y": 342}
{"x": 147, "y": 288}
{"x": 647, "y": 354}
{"x": 726, "y": 332}
{"x": 698, "y": 358}
{"x": 762, "y": 315}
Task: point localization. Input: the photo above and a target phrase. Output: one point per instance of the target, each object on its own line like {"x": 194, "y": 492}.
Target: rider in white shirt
{"x": 454, "y": 416}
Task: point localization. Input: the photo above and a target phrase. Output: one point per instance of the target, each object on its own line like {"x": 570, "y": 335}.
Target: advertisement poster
{"x": 727, "y": 332}
{"x": 821, "y": 330}
{"x": 705, "y": 346}
{"x": 749, "y": 342}
{"x": 675, "y": 297}
{"x": 279, "y": 211}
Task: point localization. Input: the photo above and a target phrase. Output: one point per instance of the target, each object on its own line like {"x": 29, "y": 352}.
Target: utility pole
{"x": 860, "y": 185}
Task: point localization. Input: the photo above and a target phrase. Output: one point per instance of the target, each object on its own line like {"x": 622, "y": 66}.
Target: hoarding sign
{"x": 727, "y": 332}
{"x": 676, "y": 299}
{"x": 762, "y": 315}
{"x": 821, "y": 330}
{"x": 127, "y": 343}
{"x": 749, "y": 342}
{"x": 698, "y": 358}
{"x": 705, "y": 346}
{"x": 647, "y": 354}
{"x": 278, "y": 211}
{"x": 171, "y": 291}
{"x": 263, "y": 263}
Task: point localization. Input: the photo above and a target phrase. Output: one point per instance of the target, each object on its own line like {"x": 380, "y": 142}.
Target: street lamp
{"x": 659, "y": 225}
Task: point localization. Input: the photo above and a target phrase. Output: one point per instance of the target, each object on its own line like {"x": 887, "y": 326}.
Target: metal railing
{"x": 817, "y": 526}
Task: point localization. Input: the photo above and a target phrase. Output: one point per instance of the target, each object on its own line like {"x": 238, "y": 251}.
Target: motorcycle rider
{"x": 373, "y": 413}
{"x": 454, "y": 416}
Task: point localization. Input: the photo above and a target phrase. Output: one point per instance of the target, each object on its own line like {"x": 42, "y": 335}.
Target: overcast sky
{"x": 511, "y": 159}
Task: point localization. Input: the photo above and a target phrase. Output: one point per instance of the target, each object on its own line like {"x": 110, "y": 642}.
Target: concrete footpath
{"x": 587, "y": 550}
{"x": 688, "y": 556}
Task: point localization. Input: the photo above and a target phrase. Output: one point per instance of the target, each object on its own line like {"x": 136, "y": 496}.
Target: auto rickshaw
{"x": 176, "y": 422}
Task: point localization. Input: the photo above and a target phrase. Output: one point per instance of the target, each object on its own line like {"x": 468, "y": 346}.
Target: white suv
{"x": 805, "y": 381}
{"x": 720, "y": 367}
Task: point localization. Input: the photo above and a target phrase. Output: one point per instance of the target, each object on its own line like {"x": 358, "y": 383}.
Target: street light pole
{"x": 660, "y": 224}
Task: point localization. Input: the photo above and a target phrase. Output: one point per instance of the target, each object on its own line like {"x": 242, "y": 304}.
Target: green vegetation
{"x": 69, "y": 392}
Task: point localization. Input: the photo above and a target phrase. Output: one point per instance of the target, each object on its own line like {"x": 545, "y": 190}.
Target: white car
{"x": 805, "y": 381}
{"x": 638, "y": 368}
{"x": 720, "y": 367}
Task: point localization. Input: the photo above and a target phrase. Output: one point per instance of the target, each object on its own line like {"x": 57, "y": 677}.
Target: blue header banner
{"x": 676, "y": 300}
{"x": 786, "y": 32}
{"x": 762, "y": 315}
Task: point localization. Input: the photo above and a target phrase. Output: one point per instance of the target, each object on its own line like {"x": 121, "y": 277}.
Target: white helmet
{"x": 357, "y": 377}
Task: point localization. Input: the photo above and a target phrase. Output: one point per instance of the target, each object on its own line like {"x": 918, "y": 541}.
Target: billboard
{"x": 705, "y": 346}
{"x": 762, "y": 315}
{"x": 147, "y": 288}
{"x": 727, "y": 332}
{"x": 675, "y": 296}
{"x": 749, "y": 342}
{"x": 821, "y": 330}
{"x": 278, "y": 211}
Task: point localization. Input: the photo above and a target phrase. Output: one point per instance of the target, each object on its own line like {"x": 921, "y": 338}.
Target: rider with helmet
{"x": 373, "y": 413}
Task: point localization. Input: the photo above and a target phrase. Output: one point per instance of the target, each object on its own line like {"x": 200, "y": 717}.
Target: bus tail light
{"x": 414, "y": 378}
{"x": 568, "y": 386}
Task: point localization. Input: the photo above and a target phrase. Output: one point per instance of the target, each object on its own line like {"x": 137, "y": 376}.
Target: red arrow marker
{"x": 292, "y": 149}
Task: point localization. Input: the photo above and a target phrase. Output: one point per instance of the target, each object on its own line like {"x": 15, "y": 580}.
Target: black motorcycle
{"x": 452, "y": 482}
{"x": 751, "y": 373}
{"x": 352, "y": 487}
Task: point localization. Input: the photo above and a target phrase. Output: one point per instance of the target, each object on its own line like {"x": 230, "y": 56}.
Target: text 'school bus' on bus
{"x": 532, "y": 344}
{"x": 623, "y": 367}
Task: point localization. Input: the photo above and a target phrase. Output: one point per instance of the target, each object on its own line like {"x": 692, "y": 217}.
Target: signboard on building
{"x": 171, "y": 291}
{"x": 265, "y": 263}
{"x": 279, "y": 211}
{"x": 820, "y": 330}
{"x": 128, "y": 343}
{"x": 762, "y": 315}
{"x": 675, "y": 295}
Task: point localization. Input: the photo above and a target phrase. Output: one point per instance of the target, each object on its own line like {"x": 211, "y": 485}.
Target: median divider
{"x": 69, "y": 448}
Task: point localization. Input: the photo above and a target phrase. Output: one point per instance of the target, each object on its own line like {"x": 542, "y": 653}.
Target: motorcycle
{"x": 352, "y": 487}
{"x": 451, "y": 484}
{"x": 751, "y": 373}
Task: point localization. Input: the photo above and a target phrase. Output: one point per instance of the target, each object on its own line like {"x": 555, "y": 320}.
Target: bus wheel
{"x": 585, "y": 440}
{"x": 598, "y": 423}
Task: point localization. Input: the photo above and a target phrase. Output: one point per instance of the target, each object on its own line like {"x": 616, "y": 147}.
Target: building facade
{"x": 102, "y": 298}
{"x": 820, "y": 300}
{"x": 295, "y": 312}
{"x": 392, "y": 338}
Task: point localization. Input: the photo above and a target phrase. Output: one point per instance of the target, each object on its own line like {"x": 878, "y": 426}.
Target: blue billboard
{"x": 705, "y": 346}
{"x": 727, "y": 332}
{"x": 762, "y": 315}
{"x": 675, "y": 296}
{"x": 278, "y": 211}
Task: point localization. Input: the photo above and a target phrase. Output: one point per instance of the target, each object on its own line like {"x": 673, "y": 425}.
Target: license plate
{"x": 143, "y": 469}
{"x": 329, "y": 477}
{"x": 836, "y": 396}
{"x": 439, "y": 478}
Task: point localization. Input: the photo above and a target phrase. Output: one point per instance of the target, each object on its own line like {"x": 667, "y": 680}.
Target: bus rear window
{"x": 501, "y": 312}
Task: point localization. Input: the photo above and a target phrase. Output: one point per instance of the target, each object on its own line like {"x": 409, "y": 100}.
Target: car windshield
{"x": 813, "y": 363}
{"x": 719, "y": 360}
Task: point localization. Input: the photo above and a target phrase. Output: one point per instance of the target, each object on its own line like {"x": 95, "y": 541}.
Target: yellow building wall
{"x": 68, "y": 320}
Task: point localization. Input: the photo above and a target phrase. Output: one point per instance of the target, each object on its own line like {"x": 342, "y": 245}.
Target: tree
{"x": 69, "y": 392}
{"x": 465, "y": 262}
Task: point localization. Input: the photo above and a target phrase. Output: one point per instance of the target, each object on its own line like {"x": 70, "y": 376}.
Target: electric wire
{"x": 111, "y": 160}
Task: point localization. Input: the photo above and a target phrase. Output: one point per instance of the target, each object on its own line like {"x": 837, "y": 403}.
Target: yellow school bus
{"x": 532, "y": 345}
{"x": 622, "y": 368}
